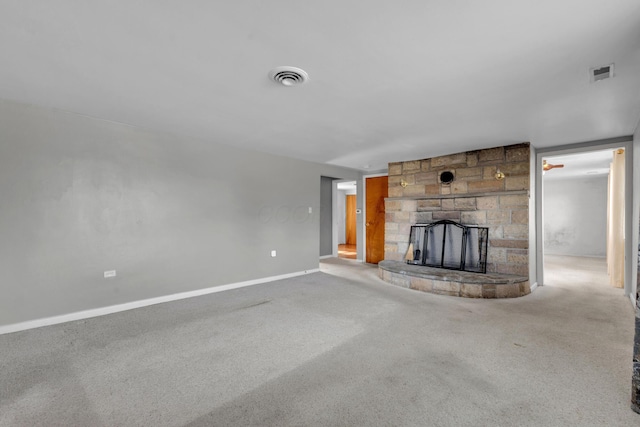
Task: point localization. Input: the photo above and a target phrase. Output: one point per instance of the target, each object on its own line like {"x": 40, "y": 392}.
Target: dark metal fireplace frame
{"x": 472, "y": 248}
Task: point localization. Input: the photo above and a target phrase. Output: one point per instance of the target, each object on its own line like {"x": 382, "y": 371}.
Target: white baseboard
{"x": 578, "y": 256}
{"x": 326, "y": 256}
{"x": 95, "y": 312}
{"x": 534, "y": 286}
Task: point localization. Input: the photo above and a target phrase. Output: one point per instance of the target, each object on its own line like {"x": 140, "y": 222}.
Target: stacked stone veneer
{"x": 475, "y": 197}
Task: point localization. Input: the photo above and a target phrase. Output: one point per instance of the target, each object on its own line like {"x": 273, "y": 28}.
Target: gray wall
{"x": 575, "y": 216}
{"x": 326, "y": 216}
{"x": 79, "y": 196}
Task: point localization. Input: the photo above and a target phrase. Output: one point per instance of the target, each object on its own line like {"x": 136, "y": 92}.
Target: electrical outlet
{"x": 273, "y": 254}
{"x": 110, "y": 273}
{"x": 310, "y": 209}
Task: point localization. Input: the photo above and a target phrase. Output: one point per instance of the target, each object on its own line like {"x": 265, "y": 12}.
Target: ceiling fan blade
{"x": 548, "y": 166}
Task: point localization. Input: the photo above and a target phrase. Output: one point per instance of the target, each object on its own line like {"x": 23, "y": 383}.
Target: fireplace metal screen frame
{"x": 424, "y": 250}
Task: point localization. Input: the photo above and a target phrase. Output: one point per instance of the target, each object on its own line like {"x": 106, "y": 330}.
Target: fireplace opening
{"x": 448, "y": 244}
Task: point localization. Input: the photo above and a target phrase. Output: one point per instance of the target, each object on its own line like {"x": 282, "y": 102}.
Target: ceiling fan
{"x": 548, "y": 166}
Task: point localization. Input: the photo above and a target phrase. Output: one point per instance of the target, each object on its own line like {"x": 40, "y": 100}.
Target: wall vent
{"x": 288, "y": 76}
{"x": 601, "y": 73}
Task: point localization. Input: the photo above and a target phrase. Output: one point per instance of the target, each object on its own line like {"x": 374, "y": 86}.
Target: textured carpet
{"x": 336, "y": 348}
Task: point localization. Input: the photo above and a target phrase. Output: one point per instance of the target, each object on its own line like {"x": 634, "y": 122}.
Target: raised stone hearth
{"x": 454, "y": 283}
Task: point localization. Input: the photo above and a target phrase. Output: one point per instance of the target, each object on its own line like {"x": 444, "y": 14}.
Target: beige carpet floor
{"x": 335, "y": 348}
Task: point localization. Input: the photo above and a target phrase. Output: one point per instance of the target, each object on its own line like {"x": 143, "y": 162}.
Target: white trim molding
{"x": 95, "y": 312}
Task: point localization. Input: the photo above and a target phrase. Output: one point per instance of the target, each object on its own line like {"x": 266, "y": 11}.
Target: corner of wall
{"x": 533, "y": 241}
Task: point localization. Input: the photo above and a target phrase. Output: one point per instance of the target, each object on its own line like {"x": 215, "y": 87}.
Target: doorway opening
{"x": 347, "y": 207}
{"x": 583, "y": 216}
{"x": 376, "y": 190}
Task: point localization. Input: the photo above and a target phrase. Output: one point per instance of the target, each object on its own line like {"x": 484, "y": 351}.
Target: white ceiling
{"x": 389, "y": 81}
{"x": 583, "y": 165}
{"x": 351, "y": 185}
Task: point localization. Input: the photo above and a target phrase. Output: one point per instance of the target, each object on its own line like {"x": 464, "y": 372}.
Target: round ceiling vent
{"x": 288, "y": 76}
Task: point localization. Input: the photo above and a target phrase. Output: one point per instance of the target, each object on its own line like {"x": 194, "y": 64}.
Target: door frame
{"x": 364, "y": 212}
{"x": 335, "y": 215}
{"x": 353, "y": 198}
{"x": 631, "y": 223}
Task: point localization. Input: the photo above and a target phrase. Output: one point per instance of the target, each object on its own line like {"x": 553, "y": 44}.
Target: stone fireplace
{"x": 485, "y": 188}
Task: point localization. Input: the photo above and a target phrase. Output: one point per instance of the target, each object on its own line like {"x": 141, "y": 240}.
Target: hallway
{"x": 347, "y": 251}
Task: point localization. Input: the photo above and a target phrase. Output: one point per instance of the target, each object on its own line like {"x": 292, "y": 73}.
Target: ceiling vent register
{"x": 288, "y": 76}
{"x": 601, "y": 73}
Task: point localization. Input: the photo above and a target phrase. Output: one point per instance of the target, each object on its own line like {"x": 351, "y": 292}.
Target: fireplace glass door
{"x": 450, "y": 245}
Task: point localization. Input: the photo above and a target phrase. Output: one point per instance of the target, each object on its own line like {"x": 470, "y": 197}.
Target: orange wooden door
{"x": 351, "y": 220}
{"x": 377, "y": 191}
